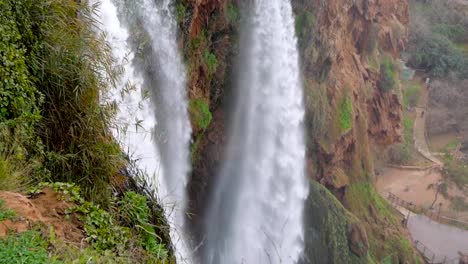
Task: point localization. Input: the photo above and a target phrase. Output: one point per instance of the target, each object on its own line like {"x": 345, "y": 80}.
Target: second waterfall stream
{"x": 152, "y": 118}
{"x": 256, "y": 212}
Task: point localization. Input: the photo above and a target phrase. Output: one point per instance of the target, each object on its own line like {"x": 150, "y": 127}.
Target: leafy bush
{"x": 19, "y": 98}
{"x": 388, "y": 78}
{"x": 200, "y": 113}
{"x": 438, "y": 55}
{"x": 346, "y": 114}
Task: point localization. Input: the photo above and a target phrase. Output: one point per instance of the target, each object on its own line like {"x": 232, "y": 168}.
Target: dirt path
{"x": 419, "y": 130}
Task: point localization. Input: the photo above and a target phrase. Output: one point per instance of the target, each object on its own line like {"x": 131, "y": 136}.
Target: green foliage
{"x": 388, "y": 78}
{"x": 200, "y": 113}
{"x": 16, "y": 165}
{"x": 6, "y": 213}
{"x": 19, "y": 98}
{"x": 232, "y": 13}
{"x": 211, "y": 62}
{"x": 346, "y": 114}
{"x": 362, "y": 196}
{"x": 181, "y": 12}
{"x": 439, "y": 56}
{"x": 134, "y": 211}
{"x": 455, "y": 33}
{"x": 102, "y": 231}
{"x": 456, "y": 171}
{"x": 304, "y": 24}
{"x": 411, "y": 96}
{"x": 25, "y": 248}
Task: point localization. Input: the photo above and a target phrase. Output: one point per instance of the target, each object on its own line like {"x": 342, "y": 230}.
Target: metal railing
{"x": 431, "y": 258}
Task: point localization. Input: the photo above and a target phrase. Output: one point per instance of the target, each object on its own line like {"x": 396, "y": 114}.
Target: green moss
{"x": 211, "y": 62}
{"x": 304, "y": 24}
{"x": 200, "y": 113}
{"x": 327, "y": 228}
{"x": 388, "y": 77}
{"x": 346, "y": 114}
{"x": 361, "y": 196}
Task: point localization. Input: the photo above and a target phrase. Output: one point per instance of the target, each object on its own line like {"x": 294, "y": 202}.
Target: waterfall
{"x": 152, "y": 102}
{"x": 256, "y": 214}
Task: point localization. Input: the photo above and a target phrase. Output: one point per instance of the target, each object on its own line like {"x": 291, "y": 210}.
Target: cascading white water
{"x": 256, "y": 215}
{"x": 165, "y": 141}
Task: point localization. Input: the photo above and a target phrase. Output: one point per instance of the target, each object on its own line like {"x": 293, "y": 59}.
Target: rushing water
{"x": 155, "y": 120}
{"x": 256, "y": 215}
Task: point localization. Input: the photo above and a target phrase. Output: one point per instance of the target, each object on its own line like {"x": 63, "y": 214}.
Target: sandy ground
{"x": 411, "y": 185}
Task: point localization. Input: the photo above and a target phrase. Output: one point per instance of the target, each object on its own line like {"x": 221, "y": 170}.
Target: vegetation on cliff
{"x": 54, "y": 68}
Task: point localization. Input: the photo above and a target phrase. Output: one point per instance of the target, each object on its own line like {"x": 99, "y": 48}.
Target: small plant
{"x": 6, "y": 213}
{"x": 388, "y": 79}
{"x": 200, "y": 113}
{"x": 346, "y": 114}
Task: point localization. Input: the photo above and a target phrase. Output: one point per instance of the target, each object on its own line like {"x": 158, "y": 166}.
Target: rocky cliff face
{"x": 344, "y": 45}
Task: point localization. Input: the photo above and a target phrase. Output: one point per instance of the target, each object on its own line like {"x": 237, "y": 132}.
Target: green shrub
{"x": 388, "y": 78}
{"x": 346, "y": 114}
{"x": 438, "y": 55}
{"x": 19, "y": 98}
{"x": 200, "y": 113}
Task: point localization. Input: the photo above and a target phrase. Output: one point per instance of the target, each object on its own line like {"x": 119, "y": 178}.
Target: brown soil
{"x": 47, "y": 208}
{"x": 412, "y": 186}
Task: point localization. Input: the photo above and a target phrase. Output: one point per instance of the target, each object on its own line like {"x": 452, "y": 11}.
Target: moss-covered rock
{"x": 329, "y": 230}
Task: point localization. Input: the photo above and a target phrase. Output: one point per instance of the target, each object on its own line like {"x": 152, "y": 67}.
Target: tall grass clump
{"x": 73, "y": 66}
